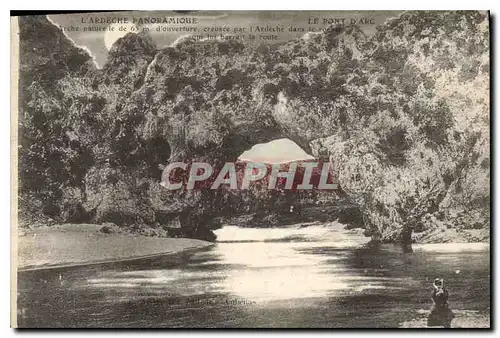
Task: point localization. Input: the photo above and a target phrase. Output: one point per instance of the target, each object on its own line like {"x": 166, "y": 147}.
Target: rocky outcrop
{"x": 403, "y": 115}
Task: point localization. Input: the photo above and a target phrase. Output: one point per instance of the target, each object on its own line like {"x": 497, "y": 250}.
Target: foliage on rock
{"x": 403, "y": 115}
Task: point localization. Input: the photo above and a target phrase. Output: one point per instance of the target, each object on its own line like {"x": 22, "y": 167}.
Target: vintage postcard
{"x": 251, "y": 169}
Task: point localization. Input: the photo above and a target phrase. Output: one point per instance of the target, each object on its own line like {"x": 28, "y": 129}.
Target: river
{"x": 316, "y": 276}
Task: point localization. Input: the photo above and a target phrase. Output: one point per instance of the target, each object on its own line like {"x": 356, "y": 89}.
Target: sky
{"x": 290, "y": 21}
{"x": 277, "y": 151}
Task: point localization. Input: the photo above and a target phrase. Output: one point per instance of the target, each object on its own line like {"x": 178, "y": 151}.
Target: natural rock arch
{"x": 209, "y": 100}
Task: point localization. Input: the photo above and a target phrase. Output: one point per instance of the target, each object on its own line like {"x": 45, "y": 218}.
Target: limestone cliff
{"x": 403, "y": 115}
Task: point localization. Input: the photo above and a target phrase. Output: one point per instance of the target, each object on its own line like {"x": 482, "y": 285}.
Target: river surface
{"x": 316, "y": 277}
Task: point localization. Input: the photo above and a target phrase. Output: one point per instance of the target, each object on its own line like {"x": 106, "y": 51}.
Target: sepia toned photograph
{"x": 251, "y": 169}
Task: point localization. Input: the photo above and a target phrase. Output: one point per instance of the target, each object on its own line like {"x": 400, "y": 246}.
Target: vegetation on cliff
{"x": 403, "y": 115}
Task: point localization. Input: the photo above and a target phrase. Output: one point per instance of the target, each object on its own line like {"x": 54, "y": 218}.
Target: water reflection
{"x": 317, "y": 276}
{"x": 284, "y": 263}
{"x": 277, "y": 264}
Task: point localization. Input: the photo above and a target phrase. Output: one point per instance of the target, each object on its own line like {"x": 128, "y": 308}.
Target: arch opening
{"x": 281, "y": 150}
{"x": 262, "y": 206}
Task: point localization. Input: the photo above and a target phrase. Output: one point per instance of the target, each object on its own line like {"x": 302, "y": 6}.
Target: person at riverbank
{"x": 440, "y": 314}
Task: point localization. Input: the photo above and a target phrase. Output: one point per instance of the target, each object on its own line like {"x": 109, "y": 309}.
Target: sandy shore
{"x": 80, "y": 244}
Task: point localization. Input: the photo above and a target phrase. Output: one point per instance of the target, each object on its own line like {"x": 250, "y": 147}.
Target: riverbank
{"x": 80, "y": 244}
{"x": 444, "y": 235}
{"x": 464, "y": 319}
{"x": 479, "y": 238}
